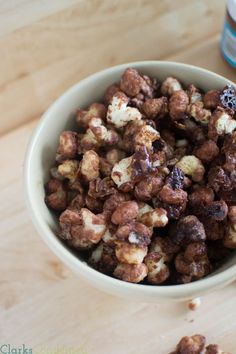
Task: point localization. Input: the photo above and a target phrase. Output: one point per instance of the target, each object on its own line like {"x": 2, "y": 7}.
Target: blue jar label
{"x": 228, "y": 44}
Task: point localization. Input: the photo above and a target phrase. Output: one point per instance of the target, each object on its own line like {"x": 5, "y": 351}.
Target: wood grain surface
{"x": 45, "y": 47}
{"x": 42, "y": 58}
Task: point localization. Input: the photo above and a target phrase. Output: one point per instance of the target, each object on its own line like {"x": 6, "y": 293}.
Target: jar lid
{"x": 231, "y": 5}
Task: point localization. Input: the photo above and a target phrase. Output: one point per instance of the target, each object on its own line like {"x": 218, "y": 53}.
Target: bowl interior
{"x": 60, "y": 116}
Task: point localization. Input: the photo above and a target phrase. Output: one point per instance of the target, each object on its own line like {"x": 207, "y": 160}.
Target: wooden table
{"x": 45, "y": 47}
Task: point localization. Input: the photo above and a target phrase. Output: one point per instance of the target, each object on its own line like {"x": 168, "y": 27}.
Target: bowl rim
{"x": 70, "y": 259}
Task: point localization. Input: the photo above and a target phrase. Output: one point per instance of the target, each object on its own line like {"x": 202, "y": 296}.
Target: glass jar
{"x": 228, "y": 40}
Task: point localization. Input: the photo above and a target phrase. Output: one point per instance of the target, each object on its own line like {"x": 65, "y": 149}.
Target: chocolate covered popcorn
{"x": 145, "y": 186}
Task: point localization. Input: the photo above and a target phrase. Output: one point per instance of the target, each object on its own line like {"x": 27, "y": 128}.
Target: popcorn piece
{"x": 207, "y": 152}
{"x": 103, "y": 135}
{"x": 214, "y": 230}
{"x": 131, "y": 82}
{"x": 88, "y": 141}
{"x": 97, "y": 135}
{"x": 67, "y": 219}
{"x": 119, "y": 113}
{"x": 229, "y": 195}
{"x": 200, "y": 197}
{"x": 133, "y": 273}
{"x": 68, "y": 144}
{"x": 218, "y": 179}
{"x": 125, "y": 212}
{"x": 130, "y": 131}
{"x": 56, "y": 195}
{"x": 68, "y": 169}
{"x": 89, "y": 166}
{"x": 172, "y": 196}
{"x": 113, "y": 202}
{"x": 130, "y": 253}
{"x": 214, "y": 349}
{"x": 158, "y": 271}
{"x": 194, "y": 304}
{"x": 178, "y": 105}
{"x": 148, "y": 87}
{"x": 103, "y": 258}
{"x": 93, "y": 225}
{"x": 155, "y": 107}
{"x": 199, "y": 113}
{"x": 165, "y": 247}
{"x": 197, "y": 269}
{"x": 101, "y": 188}
{"x": 135, "y": 233}
{"x": 109, "y": 237}
{"x": 189, "y": 229}
{"x": 135, "y": 85}
{"x": 195, "y": 345}
{"x": 216, "y": 210}
{"x": 121, "y": 172}
{"x": 142, "y": 163}
{"x": 174, "y": 211}
{"x": 146, "y": 135}
{"x": 96, "y": 110}
{"x": 211, "y": 99}
{"x": 192, "y": 167}
{"x": 155, "y": 218}
{"x": 191, "y": 345}
{"x": 81, "y": 229}
{"x": 143, "y": 208}
{"x": 170, "y": 85}
{"x": 195, "y": 251}
{"x": 221, "y": 123}
{"x": 148, "y": 187}
{"x": 194, "y": 94}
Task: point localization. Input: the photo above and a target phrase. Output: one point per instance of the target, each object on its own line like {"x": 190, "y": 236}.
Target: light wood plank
{"x": 207, "y": 55}
{"x": 42, "y": 60}
{"x": 15, "y": 14}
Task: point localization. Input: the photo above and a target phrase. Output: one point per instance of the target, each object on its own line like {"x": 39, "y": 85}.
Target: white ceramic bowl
{"x": 40, "y": 157}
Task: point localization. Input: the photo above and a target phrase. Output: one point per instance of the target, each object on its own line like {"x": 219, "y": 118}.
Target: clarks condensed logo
{"x": 9, "y": 349}
{"x": 23, "y": 349}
